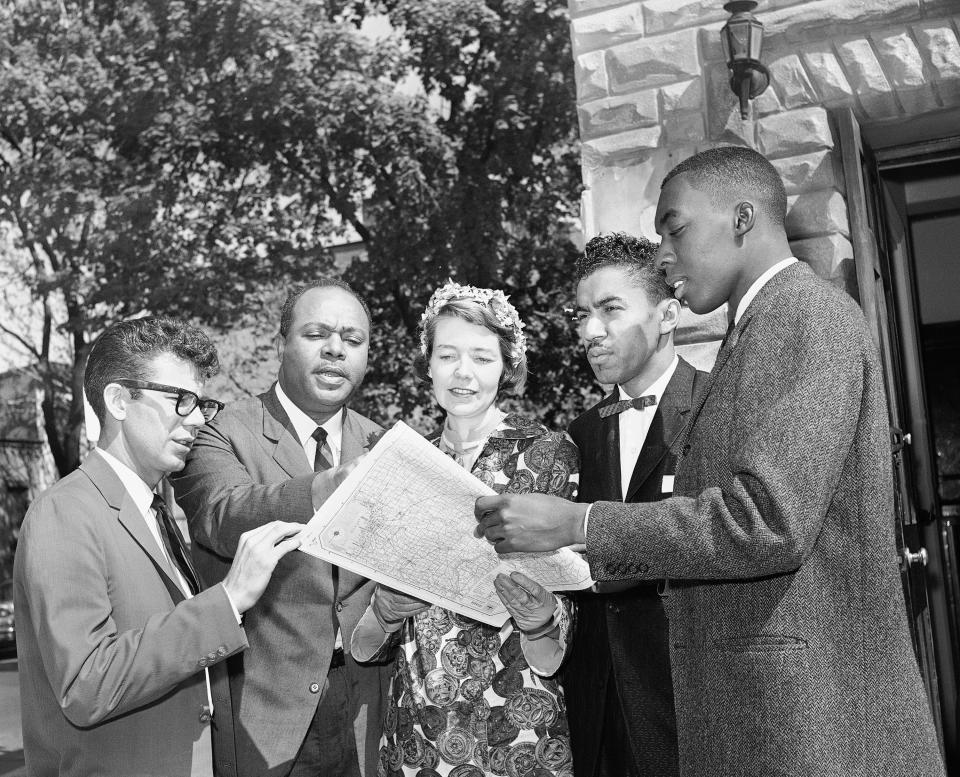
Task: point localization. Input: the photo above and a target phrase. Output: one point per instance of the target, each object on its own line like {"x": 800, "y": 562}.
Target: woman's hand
{"x": 392, "y": 608}
{"x": 530, "y": 604}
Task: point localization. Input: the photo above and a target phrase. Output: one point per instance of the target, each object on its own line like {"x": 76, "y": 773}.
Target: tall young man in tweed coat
{"x": 789, "y": 643}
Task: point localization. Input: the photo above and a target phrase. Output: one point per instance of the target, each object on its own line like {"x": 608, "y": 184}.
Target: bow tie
{"x": 639, "y": 403}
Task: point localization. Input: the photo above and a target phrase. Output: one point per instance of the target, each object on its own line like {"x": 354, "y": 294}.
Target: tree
{"x": 190, "y": 158}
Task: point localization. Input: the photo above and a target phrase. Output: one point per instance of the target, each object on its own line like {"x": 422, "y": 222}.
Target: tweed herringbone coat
{"x": 790, "y": 650}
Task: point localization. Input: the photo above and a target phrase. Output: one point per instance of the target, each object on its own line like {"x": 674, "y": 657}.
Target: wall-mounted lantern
{"x": 742, "y": 38}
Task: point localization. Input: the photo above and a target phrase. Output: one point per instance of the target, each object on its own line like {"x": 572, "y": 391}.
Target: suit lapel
{"x": 667, "y": 425}
{"x": 282, "y": 439}
{"x": 129, "y": 517}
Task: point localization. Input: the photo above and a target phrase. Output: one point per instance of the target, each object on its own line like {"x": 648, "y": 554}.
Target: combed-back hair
{"x": 637, "y": 255}
{"x": 514, "y": 376}
{"x": 295, "y": 292}
{"x": 728, "y": 173}
{"x": 125, "y": 349}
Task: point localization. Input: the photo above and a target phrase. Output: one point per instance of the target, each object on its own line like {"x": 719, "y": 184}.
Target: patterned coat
{"x": 789, "y": 642}
{"x": 463, "y": 700}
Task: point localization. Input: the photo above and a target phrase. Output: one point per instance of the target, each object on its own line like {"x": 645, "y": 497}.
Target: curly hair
{"x": 636, "y": 255}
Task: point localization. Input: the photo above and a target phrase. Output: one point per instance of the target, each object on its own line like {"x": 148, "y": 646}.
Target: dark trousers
{"x": 330, "y": 749}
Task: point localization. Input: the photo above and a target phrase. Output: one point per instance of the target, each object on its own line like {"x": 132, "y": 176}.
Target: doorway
{"x": 903, "y": 193}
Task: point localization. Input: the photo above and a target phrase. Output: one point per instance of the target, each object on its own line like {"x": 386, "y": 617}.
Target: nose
{"x": 333, "y": 346}
{"x": 592, "y": 328}
{"x": 194, "y": 419}
{"x": 665, "y": 256}
{"x": 461, "y": 369}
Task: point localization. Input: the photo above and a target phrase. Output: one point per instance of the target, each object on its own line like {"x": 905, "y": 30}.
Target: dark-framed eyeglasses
{"x": 187, "y": 401}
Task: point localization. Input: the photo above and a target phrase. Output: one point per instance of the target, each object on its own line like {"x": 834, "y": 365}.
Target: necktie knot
{"x": 637, "y": 403}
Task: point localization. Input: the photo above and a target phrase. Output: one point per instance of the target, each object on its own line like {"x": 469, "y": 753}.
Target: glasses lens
{"x": 186, "y": 403}
{"x": 209, "y": 408}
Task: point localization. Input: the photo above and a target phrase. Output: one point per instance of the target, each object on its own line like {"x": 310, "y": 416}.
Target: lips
{"x": 678, "y": 285}
{"x": 462, "y": 392}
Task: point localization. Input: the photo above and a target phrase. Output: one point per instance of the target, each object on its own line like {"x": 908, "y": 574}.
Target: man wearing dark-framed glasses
{"x": 121, "y": 651}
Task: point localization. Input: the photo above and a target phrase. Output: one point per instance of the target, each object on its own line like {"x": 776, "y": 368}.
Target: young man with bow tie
{"x": 617, "y": 676}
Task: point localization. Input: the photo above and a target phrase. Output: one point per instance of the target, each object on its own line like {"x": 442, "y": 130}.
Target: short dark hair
{"x": 637, "y": 255}
{"x": 726, "y": 172}
{"x": 514, "y": 376}
{"x": 124, "y": 349}
{"x": 295, "y": 292}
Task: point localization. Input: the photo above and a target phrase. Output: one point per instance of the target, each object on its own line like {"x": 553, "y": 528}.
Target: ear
{"x": 669, "y": 315}
{"x": 745, "y": 217}
{"x": 115, "y": 400}
{"x": 278, "y": 343}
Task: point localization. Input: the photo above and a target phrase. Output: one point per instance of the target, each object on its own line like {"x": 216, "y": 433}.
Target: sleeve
{"x": 547, "y": 654}
{"x": 786, "y": 446}
{"x": 97, "y": 671}
{"x": 222, "y": 496}
{"x": 369, "y": 642}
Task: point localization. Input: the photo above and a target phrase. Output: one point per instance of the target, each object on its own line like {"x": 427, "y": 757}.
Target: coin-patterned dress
{"x": 463, "y": 699}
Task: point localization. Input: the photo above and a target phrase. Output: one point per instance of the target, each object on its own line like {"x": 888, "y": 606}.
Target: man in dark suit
{"x": 789, "y": 643}
{"x": 617, "y": 676}
{"x": 302, "y": 706}
{"x": 113, "y": 634}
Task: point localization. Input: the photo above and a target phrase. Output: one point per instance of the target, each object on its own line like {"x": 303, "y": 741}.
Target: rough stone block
{"x": 867, "y": 78}
{"x": 767, "y": 102}
{"x": 684, "y": 128}
{"x": 827, "y": 75}
{"x": 901, "y": 62}
{"x": 695, "y": 329}
{"x": 939, "y": 46}
{"x": 787, "y": 76}
{"x": 623, "y": 145}
{"x": 618, "y": 114}
{"x": 606, "y": 28}
{"x": 685, "y": 96}
{"x": 723, "y": 110}
{"x": 668, "y": 15}
{"x": 650, "y": 62}
{"x": 824, "y": 19}
{"x": 590, "y": 72}
{"x": 807, "y": 172}
{"x": 816, "y": 213}
{"x": 701, "y": 355}
{"x": 828, "y": 255}
{"x": 580, "y": 7}
{"x": 794, "y": 132}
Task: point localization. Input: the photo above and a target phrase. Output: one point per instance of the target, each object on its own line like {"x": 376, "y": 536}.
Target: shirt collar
{"x": 139, "y": 491}
{"x": 658, "y": 386}
{"x": 304, "y": 425}
{"x": 758, "y": 284}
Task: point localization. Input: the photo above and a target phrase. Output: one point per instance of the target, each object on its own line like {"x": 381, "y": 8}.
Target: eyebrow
{"x": 601, "y": 302}
{"x": 330, "y": 327}
{"x": 667, "y": 215}
{"x": 479, "y": 349}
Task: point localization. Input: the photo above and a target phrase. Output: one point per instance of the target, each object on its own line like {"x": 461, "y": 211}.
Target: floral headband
{"x": 494, "y": 299}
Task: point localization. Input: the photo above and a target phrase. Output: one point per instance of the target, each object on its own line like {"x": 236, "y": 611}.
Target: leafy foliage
{"x": 194, "y": 158}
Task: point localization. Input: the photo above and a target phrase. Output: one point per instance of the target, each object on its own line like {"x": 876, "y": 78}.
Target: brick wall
{"x": 652, "y": 89}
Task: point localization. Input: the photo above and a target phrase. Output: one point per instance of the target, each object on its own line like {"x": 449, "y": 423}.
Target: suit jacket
{"x": 247, "y": 468}
{"x": 111, "y": 655}
{"x": 621, "y": 637}
{"x": 789, "y": 642}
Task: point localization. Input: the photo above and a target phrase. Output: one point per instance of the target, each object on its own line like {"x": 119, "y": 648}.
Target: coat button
{"x": 314, "y": 687}
{"x": 339, "y": 607}
{"x": 644, "y": 568}
{"x": 221, "y": 651}
{"x": 205, "y": 715}
{"x": 613, "y": 607}
{"x": 202, "y": 662}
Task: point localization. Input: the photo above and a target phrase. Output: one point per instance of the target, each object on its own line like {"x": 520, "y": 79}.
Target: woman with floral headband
{"x": 468, "y": 699}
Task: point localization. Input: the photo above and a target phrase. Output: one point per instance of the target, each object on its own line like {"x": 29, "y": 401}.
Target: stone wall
{"x": 652, "y": 89}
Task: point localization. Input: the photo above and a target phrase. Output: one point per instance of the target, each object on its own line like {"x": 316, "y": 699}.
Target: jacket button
{"x": 221, "y": 651}
{"x": 644, "y": 568}
{"x": 202, "y": 662}
{"x": 205, "y": 715}
{"x": 613, "y": 607}
{"x": 314, "y": 687}
{"x": 339, "y": 607}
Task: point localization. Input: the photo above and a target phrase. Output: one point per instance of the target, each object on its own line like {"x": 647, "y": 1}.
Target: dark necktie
{"x": 648, "y": 400}
{"x": 320, "y": 460}
{"x": 729, "y": 332}
{"x": 174, "y": 545}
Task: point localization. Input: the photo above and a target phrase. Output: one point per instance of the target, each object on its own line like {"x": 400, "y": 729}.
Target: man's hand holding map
{"x": 404, "y": 517}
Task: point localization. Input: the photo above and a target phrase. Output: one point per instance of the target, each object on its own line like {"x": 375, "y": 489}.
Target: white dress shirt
{"x": 758, "y": 284}
{"x": 635, "y": 425}
{"x": 304, "y": 426}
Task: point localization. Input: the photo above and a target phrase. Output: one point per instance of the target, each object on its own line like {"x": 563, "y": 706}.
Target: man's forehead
{"x": 605, "y": 284}
{"x": 329, "y": 302}
{"x": 172, "y": 370}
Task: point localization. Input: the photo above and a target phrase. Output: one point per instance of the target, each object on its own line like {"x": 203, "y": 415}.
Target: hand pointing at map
{"x": 529, "y": 522}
